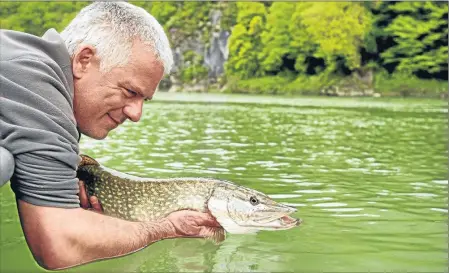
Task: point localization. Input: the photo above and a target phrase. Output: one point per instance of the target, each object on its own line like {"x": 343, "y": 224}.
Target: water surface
{"x": 368, "y": 176}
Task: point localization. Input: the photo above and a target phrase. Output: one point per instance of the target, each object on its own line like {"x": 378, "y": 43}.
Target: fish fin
{"x": 87, "y": 160}
{"x": 218, "y": 236}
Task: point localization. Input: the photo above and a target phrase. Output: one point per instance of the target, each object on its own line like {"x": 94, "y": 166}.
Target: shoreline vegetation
{"x": 384, "y": 86}
{"x": 353, "y": 49}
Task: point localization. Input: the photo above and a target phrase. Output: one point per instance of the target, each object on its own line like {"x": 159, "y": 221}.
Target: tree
{"x": 245, "y": 40}
{"x": 339, "y": 28}
{"x": 303, "y": 47}
{"x": 277, "y": 36}
{"x": 37, "y": 17}
{"x": 184, "y": 20}
{"x": 419, "y": 31}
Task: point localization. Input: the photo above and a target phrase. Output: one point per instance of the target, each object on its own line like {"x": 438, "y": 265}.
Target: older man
{"x": 89, "y": 79}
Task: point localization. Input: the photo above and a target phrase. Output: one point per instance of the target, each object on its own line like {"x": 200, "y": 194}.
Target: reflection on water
{"x": 369, "y": 179}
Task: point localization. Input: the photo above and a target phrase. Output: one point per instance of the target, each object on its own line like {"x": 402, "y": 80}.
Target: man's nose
{"x": 134, "y": 109}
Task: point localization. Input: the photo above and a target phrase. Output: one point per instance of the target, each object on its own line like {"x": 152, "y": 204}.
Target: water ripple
{"x": 373, "y": 172}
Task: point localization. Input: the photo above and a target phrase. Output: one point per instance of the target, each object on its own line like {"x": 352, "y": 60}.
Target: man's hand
{"x": 187, "y": 223}
{"x": 91, "y": 202}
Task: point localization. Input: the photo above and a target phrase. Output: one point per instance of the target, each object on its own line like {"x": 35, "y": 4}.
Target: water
{"x": 368, "y": 176}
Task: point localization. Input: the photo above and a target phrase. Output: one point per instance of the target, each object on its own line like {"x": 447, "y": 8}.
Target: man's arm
{"x": 61, "y": 238}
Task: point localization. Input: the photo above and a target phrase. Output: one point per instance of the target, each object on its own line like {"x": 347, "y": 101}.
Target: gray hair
{"x": 111, "y": 28}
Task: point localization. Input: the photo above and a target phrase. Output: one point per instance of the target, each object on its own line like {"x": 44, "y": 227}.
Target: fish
{"x": 238, "y": 209}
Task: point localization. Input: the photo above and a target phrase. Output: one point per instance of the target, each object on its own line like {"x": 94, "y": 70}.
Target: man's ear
{"x": 83, "y": 59}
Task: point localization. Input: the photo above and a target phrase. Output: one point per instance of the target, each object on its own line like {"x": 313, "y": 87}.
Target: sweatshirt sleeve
{"x": 38, "y": 128}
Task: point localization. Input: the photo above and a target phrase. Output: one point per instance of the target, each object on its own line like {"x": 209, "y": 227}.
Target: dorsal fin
{"x": 87, "y": 160}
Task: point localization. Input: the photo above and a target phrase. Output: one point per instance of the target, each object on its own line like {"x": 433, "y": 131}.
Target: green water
{"x": 368, "y": 176}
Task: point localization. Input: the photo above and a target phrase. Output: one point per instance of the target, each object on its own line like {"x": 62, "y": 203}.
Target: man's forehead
{"x": 145, "y": 73}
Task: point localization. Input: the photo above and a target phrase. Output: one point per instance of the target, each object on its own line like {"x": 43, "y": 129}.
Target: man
{"x": 88, "y": 80}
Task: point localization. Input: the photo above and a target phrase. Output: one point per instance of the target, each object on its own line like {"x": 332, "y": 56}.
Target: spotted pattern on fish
{"x": 146, "y": 199}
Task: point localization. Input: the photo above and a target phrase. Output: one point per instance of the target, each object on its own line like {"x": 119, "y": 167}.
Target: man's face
{"x": 102, "y": 101}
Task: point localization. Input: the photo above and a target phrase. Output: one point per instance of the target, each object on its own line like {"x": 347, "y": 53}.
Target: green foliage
{"x": 301, "y": 44}
{"x": 194, "y": 70}
{"x": 291, "y": 47}
{"x": 38, "y": 17}
{"x": 420, "y": 32}
{"x": 311, "y": 85}
{"x": 262, "y": 85}
{"x": 404, "y": 84}
{"x": 309, "y": 31}
{"x": 229, "y": 14}
{"x": 245, "y": 41}
{"x": 339, "y": 28}
{"x": 246, "y": 11}
{"x": 276, "y": 37}
{"x": 281, "y": 84}
{"x": 163, "y": 11}
{"x": 184, "y": 20}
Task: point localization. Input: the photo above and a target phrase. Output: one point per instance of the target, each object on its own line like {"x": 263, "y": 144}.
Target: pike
{"x": 237, "y": 209}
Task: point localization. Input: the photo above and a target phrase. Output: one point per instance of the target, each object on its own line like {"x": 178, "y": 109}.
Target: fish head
{"x": 243, "y": 210}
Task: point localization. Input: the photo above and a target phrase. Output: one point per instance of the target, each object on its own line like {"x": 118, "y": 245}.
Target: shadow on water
{"x": 185, "y": 255}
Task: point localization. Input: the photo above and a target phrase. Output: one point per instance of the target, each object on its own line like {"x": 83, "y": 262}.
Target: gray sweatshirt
{"x": 37, "y": 125}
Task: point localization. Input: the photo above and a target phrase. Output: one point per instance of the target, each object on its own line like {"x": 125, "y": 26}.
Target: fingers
{"x": 83, "y": 195}
{"x": 95, "y": 203}
{"x": 91, "y": 202}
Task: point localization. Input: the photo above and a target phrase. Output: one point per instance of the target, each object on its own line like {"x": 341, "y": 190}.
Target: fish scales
{"x": 237, "y": 209}
{"x": 145, "y": 200}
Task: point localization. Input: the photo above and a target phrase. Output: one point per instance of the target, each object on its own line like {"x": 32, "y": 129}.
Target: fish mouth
{"x": 281, "y": 223}
{"x": 290, "y": 221}
{"x": 284, "y": 222}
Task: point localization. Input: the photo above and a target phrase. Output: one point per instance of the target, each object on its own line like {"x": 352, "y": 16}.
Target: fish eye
{"x": 254, "y": 201}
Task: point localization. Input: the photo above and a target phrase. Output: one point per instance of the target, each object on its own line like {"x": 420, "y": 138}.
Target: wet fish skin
{"x": 238, "y": 209}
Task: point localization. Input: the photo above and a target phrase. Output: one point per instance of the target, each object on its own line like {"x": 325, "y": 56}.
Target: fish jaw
{"x": 274, "y": 217}
{"x": 282, "y": 223}
{"x": 231, "y": 207}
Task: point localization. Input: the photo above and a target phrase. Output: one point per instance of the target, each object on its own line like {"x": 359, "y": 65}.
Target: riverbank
{"x": 380, "y": 86}
{"x": 388, "y": 103}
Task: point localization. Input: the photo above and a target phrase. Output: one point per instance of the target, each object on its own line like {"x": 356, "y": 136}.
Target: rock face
{"x": 359, "y": 84}
{"x": 217, "y": 53}
{"x": 213, "y": 52}
{"x": 214, "y": 55}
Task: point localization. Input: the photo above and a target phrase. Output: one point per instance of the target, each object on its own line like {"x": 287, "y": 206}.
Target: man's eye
{"x": 131, "y": 92}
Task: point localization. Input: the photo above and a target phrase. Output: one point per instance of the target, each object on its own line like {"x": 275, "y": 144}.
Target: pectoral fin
{"x": 218, "y": 235}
